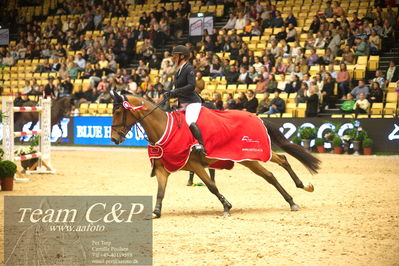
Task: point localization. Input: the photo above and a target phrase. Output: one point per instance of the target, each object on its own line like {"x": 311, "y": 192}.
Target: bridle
{"x": 126, "y": 128}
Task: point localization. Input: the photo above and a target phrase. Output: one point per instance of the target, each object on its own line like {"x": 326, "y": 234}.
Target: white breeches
{"x": 192, "y": 112}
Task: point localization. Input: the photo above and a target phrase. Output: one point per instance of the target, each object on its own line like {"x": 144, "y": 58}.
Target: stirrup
{"x": 200, "y": 148}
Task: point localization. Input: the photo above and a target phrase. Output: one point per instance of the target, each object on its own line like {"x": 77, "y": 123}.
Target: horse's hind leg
{"x": 200, "y": 171}
{"x": 212, "y": 174}
{"x": 283, "y": 162}
{"x": 269, "y": 177}
{"x": 191, "y": 177}
{"x": 62, "y": 132}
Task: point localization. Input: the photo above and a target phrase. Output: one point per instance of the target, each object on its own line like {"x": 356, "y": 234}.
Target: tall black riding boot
{"x": 197, "y": 134}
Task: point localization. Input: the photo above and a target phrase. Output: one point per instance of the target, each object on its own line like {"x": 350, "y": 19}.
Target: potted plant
{"x": 319, "y": 143}
{"x": 357, "y": 135}
{"x": 331, "y": 133}
{"x": 307, "y": 134}
{"x": 367, "y": 146}
{"x": 337, "y": 145}
{"x": 296, "y": 140}
{"x": 30, "y": 163}
{"x": 7, "y": 172}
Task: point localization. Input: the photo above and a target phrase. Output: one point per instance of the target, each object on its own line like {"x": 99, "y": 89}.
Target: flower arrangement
{"x": 347, "y": 138}
{"x": 28, "y": 164}
{"x": 332, "y": 133}
{"x": 357, "y": 133}
{"x": 34, "y": 142}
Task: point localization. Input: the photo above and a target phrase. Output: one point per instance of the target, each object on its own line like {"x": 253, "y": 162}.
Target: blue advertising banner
{"x": 97, "y": 131}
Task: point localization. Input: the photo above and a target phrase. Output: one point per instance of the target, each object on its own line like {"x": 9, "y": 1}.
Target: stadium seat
{"x": 221, "y": 88}
{"x": 268, "y": 31}
{"x": 291, "y": 98}
{"x": 101, "y": 108}
{"x": 284, "y": 96}
{"x": 362, "y": 60}
{"x": 301, "y": 110}
{"x": 373, "y": 63}
{"x": 231, "y": 88}
{"x": 275, "y": 115}
{"x": 253, "y": 87}
{"x": 392, "y": 97}
{"x": 391, "y": 86}
{"x": 290, "y": 108}
{"x": 360, "y": 72}
{"x": 242, "y": 87}
{"x": 93, "y": 108}
{"x": 390, "y": 108}
{"x": 287, "y": 115}
{"x": 110, "y": 107}
{"x": 252, "y": 46}
{"x": 84, "y": 108}
{"x": 314, "y": 70}
{"x": 376, "y": 108}
{"x": 211, "y": 87}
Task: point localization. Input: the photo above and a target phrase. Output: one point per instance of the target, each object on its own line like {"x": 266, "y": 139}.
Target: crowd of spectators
{"x": 282, "y": 67}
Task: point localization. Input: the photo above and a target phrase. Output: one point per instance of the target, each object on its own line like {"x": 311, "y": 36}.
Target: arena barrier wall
{"x": 384, "y": 131}
{"x": 88, "y": 130}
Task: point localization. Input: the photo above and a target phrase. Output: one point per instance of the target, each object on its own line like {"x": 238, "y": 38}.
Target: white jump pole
{"x": 44, "y": 153}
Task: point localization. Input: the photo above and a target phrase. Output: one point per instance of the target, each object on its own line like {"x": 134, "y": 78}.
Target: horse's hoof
{"x": 189, "y": 184}
{"x": 152, "y": 216}
{"x": 226, "y": 214}
{"x": 294, "y": 208}
{"x": 309, "y": 188}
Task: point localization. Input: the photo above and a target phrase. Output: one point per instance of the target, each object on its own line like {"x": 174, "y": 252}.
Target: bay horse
{"x": 60, "y": 108}
{"x": 154, "y": 122}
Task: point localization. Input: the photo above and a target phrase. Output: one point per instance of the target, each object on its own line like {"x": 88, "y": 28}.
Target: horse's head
{"x": 125, "y": 114}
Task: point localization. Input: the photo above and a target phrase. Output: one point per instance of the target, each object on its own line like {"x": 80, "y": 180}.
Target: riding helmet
{"x": 181, "y": 49}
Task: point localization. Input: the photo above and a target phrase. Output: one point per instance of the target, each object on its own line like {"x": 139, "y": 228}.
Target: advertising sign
{"x": 97, "y": 131}
{"x": 199, "y": 24}
{"x": 4, "y": 36}
{"x": 59, "y": 133}
{"x": 384, "y": 131}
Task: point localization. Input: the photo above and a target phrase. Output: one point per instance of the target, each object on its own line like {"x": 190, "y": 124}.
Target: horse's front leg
{"x": 62, "y": 133}
{"x": 162, "y": 177}
{"x": 32, "y": 125}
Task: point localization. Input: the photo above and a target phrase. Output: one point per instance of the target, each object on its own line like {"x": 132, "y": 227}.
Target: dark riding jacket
{"x": 185, "y": 85}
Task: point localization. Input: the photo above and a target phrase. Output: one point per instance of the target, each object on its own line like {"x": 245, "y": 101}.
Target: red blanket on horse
{"x": 231, "y": 136}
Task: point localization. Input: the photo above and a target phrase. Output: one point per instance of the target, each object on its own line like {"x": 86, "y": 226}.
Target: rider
{"x": 184, "y": 90}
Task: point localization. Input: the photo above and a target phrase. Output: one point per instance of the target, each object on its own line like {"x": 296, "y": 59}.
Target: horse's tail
{"x": 306, "y": 158}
